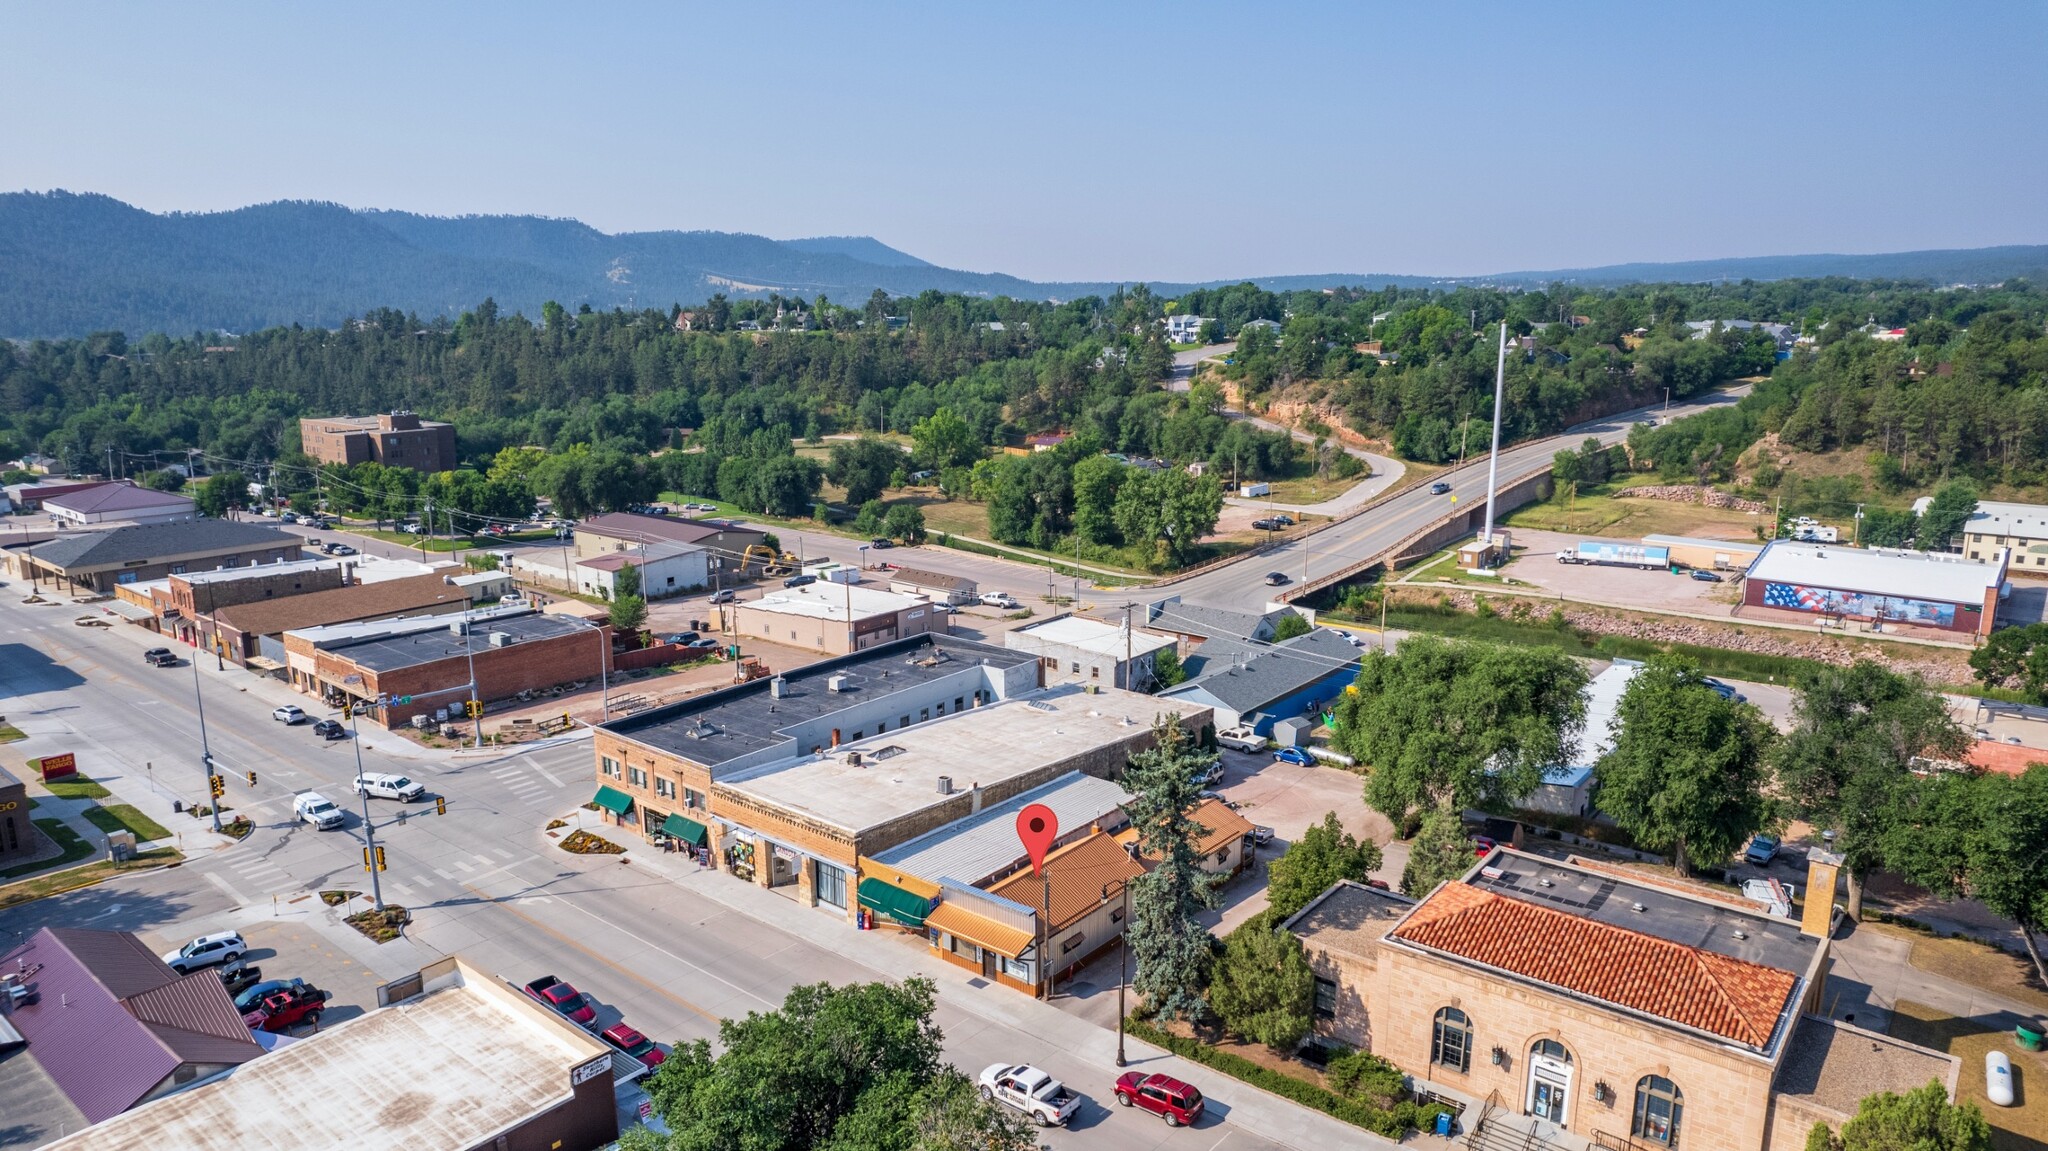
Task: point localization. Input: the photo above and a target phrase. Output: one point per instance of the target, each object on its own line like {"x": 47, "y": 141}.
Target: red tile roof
{"x": 1714, "y": 993}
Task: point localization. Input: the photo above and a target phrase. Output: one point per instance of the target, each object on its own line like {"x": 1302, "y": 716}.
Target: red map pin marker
{"x": 1037, "y": 827}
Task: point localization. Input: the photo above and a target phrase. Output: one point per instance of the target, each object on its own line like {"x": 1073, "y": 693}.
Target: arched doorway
{"x": 1550, "y": 1081}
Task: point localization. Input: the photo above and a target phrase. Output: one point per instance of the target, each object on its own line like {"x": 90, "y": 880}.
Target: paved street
{"x": 648, "y": 936}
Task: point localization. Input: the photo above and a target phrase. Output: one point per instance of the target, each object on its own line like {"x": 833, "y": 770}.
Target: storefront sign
{"x": 10, "y": 805}
{"x": 590, "y": 1070}
{"x": 55, "y": 766}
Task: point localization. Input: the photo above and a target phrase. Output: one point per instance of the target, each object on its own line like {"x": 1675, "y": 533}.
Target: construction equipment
{"x": 750, "y": 668}
{"x": 772, "y": 563}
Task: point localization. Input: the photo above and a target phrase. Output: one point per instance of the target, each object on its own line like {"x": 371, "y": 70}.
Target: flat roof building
{"x": 835, "y": 618}
{"x": 1935, "y": 590}
{"x": 2018, "y": 530}
{"x": 1076, "y": 648}
{"x": 254, "y": 631}
{"x": 935, "y": 586}
{"x": 394, "y": 439}
{"x": 457, "y": 1061}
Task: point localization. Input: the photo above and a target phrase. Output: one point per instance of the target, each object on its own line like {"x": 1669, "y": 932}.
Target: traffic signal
{"x": 218, "y": 785}
{"x": 440, "y": 805}
{"x": 366, "y": 859}
{"x": 252, "y": 779}
{"x": 475, "y": 708}
{"x": 380, "y": 857}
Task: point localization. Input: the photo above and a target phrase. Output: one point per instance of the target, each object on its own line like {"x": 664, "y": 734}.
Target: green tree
{"x": 905, "y": 522}
{"x": 1979, "y": 837}
{"x": 2015, "y": 657}
{"x": 1688, "y": 769}
{"x": 1168, "y": 509}
{"x": 1262, "y": 987}
{"x": 1166, "y": 934}
{"x": 1855, "y": 733}
{"x": 1290, "y": 625}
{"x": 1096, "y": 482}
{"x": 786, "y": 1080}
{"x": 222, "y": 491}
{"x": 900, "y": 1113}
{"x": 1920, "y": 1120}
{"x": 943, "y": 440}
{"x": 1459, "y": 723}
{"x": 164, "y": 480}
{"x": 872, "y": 515}
{"x": 1439, "y": 853}
{"x": 1324, "y": 854}
{"x": 626, "y": 582}
{"x": 1951, "y": 506}
{"x": 628, "y": 615}
{"x": 1886, "y": 528}
{"x": 863, "y": 467}
{"x": 1166, "y": 668}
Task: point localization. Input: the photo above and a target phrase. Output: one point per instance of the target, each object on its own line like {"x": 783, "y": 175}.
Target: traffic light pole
{"x": 213, "y": 789}
{"x": 369, "y": 827}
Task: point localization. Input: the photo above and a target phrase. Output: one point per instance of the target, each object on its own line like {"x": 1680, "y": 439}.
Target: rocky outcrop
{"x": 1693, "y": 494}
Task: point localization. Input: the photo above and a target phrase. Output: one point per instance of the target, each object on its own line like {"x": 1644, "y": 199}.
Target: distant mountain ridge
{"x": 73, "y": 263}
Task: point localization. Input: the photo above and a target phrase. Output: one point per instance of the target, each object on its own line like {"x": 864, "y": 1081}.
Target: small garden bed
{"x": 555, "y": 823}
{"x": 585, "y": 843}
{"x": 239, "y": 827}
{"x": 337, "y": 898}
{"x": 381, "y": 926}
{"x": 9, "y": 733}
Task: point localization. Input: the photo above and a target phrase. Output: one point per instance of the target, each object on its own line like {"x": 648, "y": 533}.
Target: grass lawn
{"x": 1977, "y": 965}
{"x": 1306, "y": 491}
{"x": 9, "y": 733}
{"x": 57, "y": 883}
{"x": 123, "y": 817}
{"x": 1596, "y": 512}
{"x": 77, "y": 787}
{"x": 74, "y": 849}
{"x": 2021, "y": 1128}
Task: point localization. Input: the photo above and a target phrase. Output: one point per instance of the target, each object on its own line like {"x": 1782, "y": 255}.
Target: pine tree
{"x": 1166, "y": 935}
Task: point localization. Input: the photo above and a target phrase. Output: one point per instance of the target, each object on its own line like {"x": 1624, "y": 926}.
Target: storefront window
{"x": 831, "y": 885}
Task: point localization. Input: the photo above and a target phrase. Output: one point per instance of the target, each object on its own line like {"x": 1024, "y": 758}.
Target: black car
{"x": 160, "y": 657}
{"x": 881, "y": 543}
{"x": 1284, "y": 520}
{"x": 1439, "y": 488}
{"x": 1266, "y": 525}
{"x": 1276, "y": 579}
{"x": 330, "y": 729}
{"x": 682, "y": 637}
{"x": 799, "y": 580}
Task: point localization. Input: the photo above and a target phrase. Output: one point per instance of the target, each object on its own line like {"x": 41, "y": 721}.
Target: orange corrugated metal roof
{"x": 1715, "y": 993}
{"x": 1077, "y": 873}
{"x": 1224, "y": 827}
{"x": 954, "y": 919}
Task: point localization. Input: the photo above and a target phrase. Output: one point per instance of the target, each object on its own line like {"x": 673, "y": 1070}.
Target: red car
{"x": 1176, "y": 1102}
{"x": 286, "y": 1009}
{"x": 566, "y": 1000}
{"x": 633, "y": 1043}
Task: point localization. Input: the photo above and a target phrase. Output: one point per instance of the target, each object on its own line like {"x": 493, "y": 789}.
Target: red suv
{"x": 1176, "y": 1102}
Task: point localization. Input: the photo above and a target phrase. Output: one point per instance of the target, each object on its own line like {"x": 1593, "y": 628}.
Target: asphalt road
{"x": 671, "y": 950}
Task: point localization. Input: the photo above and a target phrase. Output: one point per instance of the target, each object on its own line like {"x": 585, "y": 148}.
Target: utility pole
{"x": 1500, "y": 375}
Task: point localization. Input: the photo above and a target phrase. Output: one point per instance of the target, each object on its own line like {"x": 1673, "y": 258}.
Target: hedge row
{"x": 1391, "y": 1122}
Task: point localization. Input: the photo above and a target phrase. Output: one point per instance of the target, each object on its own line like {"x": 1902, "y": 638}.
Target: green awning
{"x": 613, "y": 800}
{"x": 687, "y": 830}
{"x": 894, "y": 902}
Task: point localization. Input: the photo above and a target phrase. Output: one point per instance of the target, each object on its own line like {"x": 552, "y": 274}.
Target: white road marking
{"x": 442, "y": 874}
{"x": 501, "y": 853}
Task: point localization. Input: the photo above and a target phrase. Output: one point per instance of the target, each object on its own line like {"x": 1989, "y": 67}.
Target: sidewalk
{"x": 888, "y": 957}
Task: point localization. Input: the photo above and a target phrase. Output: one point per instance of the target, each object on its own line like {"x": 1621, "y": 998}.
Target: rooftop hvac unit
{"x": 423, "y": 721}
{"x": 853, "y": 759}
{"x": 501, "y": 639}
{"x": 459, "y": 627}
{"x": 836, "y": 683}
{"x": 778, "y": 687}
{"x": 945, "y": 785}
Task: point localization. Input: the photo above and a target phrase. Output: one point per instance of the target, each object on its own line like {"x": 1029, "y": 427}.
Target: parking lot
{"x": 1535, "y": 565}
{"x": 295, "y": 948}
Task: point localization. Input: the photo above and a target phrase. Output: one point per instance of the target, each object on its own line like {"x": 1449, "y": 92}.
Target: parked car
{"x": 329, "y": 729}
{"x": 1261, "y": 835}
{"x": 1001, "y": 599}
{"x": 343, "y": 550}
{"x": 1176, "y": 1102}
{"x": 1294, "y": 755}
{"x": 318, "y": 810}
{"x": 704, "y": 643}
{"x": 1439, "y": 488}
{"x": 289, "y": 714}
{"x": 1276, "y": 579}
{"x": 635, "y": 1044}
{"x": 237, "y": 976}
{"x": 384, "y": 785}
{"x": 564, "y": 999}
{"x": 1705, "y": 576}
{"x": 160, "y": 657}
{"x": 1725, "y": 692}
{"x": 724, "y": 595}
{"x": 1266, "y": 525}
{"x": 1044, "y": 1100}
{"x": 1483, "y": 845}
{"x": 799, "y": 580}
{"x": 1761, "y": 850}
{"x": 283, "y": 1010}
{"x": 1243, "y": 737}
{"x": 682, "y": 637}
{"x": 247, "y": 999}
{"x": 1284, "y": 520}
{"x": 206, "y": 951}
{"x": 1213, "y": 774}
{"x": 881, "y": 543}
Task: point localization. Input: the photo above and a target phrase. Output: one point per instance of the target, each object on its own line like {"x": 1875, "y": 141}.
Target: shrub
{"x": 1361, "y": 1074}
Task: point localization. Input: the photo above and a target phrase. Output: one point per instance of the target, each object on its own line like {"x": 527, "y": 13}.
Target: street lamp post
{"x": 1123, "y": 960}
{"x": 205, "y": 750}
{"x": 369, "y": 828}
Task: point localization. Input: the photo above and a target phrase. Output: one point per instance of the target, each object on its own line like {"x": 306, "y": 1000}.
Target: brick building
{"x": 835, "y": 618}
{"x": 98, "y": 561}
{"x": 1936, "y": 590}
{"x": 255, "y": 631}
{"x": 394, "y": 439}
{"x": 798, "y": 781}
{"x": 428, "y": 661}
{"x": 1585, "y": 1002}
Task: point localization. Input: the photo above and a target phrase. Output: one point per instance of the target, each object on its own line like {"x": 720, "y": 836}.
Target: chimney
{"x": 1817, "y": 915}
{"x": 835, "y": 737}
{"x": 973, "y": 798}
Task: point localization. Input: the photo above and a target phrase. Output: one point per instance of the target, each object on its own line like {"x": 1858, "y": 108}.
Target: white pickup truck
{"x": 1001, "y": 599}
{"x": 1044, "y": 1100}
{"x": 317, "y": 810}
{"x": 1241, "y": 738}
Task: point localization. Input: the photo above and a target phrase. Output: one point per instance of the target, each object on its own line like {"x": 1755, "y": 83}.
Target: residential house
{"x": 1299, "y": 676}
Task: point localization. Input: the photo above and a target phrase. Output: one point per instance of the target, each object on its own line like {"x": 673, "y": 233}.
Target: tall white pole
{"x": 1500, "y": 375}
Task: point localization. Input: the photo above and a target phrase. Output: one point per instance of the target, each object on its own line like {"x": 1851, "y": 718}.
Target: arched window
{"x": 1659, "y": 1106}
{"x": 1450, "y": 1042}
{"x": 1551, "y": 1048}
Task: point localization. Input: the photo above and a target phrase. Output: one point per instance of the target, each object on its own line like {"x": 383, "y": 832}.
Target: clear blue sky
{"x": 1077, "y": 141}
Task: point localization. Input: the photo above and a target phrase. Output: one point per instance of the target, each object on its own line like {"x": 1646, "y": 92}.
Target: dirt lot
{"x": 1632, "y": 519}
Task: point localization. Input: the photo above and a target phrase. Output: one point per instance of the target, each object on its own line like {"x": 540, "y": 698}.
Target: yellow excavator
{"x": 771, "y": 563}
